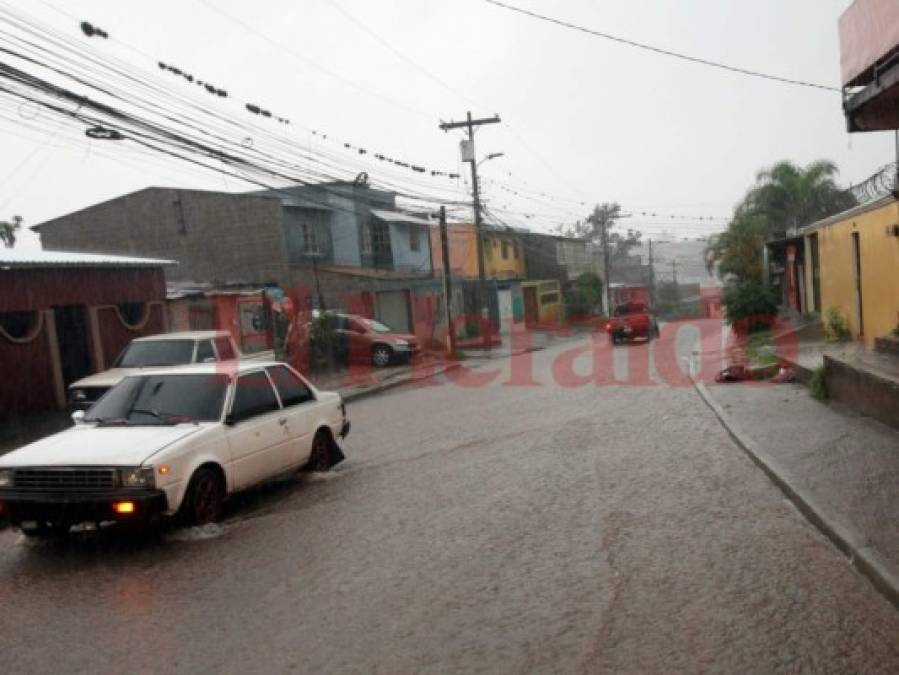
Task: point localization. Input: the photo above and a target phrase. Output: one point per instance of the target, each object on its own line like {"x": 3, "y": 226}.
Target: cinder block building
{"x": 343, "y": 245}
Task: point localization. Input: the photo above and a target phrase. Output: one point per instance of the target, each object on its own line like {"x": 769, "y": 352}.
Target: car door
{"x": 298, "y": 403}
{"x": 360, "y": 341}
{"x": 255, "y": 429}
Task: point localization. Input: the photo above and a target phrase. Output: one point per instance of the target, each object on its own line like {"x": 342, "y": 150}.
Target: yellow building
{"x": 852, "y": 263}
{"x": 503, "y": 252}
{"x": 542, "y": 302}
{"x": 503, "y": 255}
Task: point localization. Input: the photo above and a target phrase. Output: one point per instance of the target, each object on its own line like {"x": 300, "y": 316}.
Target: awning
{"x": 398, "y": 217}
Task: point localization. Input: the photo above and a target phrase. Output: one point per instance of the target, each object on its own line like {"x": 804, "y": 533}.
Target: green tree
{"x": 787, "y": 195}
{"x": 737, "y": 251}
{"x": 784, "y": 196}
{"x": 584, "y": 295}
{"x": 604, "y": 217}
{"x": 8, "y": 231}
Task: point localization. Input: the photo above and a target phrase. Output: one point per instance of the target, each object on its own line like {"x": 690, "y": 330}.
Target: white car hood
{"x": 107, "y": 378}
{"x": 87, "y": 445}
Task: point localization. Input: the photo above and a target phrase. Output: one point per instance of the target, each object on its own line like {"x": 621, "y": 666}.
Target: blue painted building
{"x": 357, "y": 252}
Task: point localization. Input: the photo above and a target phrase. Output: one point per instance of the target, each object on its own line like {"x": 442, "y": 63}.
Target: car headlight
{"x": 77, "y": 394}
{"x": 7, "y": 478}
{"x": 137, "y": 477}
{"x": 401, "y": 343}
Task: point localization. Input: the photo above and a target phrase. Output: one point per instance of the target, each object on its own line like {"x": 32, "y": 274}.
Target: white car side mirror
{"x": 78, "y": 416}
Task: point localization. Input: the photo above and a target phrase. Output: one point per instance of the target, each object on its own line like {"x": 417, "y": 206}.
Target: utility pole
{"x": 676, "y": 287}
{"x": 470, "y": 124}
{"x": 447, "y": 282}
{"x": 595, "y": 220}
{"x": 652, "y": 278}
{"x": 606, "y": 266}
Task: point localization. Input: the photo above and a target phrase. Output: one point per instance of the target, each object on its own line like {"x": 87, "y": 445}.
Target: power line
{"x": 659, "y": 50}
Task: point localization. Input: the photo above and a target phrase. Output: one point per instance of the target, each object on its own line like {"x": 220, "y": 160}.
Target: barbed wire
{"x": 876, "y": 187}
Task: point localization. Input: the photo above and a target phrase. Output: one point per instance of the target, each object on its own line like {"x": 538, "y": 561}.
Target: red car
{"x": 367, "y": 339}
{"x": 631, "y": 320}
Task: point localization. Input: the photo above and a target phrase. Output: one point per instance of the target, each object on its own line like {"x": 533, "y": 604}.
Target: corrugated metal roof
{"x": 14, "y": 257}
{"x": 398, "y": 217}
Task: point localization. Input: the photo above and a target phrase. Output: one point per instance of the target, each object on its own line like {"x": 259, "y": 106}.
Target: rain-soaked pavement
{"x": 541, "y": 528}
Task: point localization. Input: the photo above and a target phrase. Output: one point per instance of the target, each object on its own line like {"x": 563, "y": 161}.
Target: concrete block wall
{"x": 214, "y": 236}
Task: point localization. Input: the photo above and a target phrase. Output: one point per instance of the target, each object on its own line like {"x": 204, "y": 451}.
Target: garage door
{"x": 393, "y": 309}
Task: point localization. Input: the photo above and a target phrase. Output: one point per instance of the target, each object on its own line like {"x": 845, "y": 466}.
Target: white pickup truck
{"x": 159, "y": 351}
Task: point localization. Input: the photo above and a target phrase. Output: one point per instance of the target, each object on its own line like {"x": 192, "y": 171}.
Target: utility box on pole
{"x": 466, "y": 150}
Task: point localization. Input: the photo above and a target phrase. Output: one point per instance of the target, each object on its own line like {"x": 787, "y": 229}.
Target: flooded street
{"x": 522, "y": 529}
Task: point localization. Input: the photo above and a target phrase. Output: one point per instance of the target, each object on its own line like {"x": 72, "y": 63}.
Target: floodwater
{"x": 521, "y": 529}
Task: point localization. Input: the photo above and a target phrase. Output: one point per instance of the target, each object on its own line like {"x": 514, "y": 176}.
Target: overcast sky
{"x": 584, "y": 119}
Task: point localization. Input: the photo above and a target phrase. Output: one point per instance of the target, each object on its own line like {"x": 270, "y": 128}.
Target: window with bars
{"x": 366, "y": 239}
{"x": 380, "y": 239}
{"x": 311, "y": 244}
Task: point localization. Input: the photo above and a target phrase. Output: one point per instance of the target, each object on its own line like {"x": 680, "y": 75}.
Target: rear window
{"x": 254, "y": 396}
{"x": 291, "y": 388}
{"x": 156, "y": 353}
{"x": 225, "y": 349}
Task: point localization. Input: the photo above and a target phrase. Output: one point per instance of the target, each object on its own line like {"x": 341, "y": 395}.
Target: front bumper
{"x": 77, "y": 507}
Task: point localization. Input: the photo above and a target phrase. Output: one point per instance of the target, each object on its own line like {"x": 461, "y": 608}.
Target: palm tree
{"x": 784, "y": 196}
{"x": 8, "y": 231}
{"x": 789, "y": 196}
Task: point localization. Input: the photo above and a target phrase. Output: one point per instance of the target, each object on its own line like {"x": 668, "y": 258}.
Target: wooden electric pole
{"x": 470, "y": 125}
{"x": 676, "y": 287}
{"x": 447, "y": 283}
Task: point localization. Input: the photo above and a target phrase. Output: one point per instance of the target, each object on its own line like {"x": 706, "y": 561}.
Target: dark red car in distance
{"x": 631, "y": 320}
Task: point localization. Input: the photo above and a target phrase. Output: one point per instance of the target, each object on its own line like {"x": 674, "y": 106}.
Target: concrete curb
{"x": 867, "y": 560}
{"x": 400, "y": 381}
{"x": 393, "y": 384}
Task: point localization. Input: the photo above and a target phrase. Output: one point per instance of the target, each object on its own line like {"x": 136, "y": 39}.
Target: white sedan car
{"x": 173, "y": 442}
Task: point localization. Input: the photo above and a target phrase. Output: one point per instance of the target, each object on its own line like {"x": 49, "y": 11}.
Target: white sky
{"x": 586, "y": 119}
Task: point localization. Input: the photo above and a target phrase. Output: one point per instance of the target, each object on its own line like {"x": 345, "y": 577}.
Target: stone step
{"x": 869, "y": 386}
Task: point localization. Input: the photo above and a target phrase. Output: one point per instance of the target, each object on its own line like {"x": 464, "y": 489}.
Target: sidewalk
{"x": 353, "y": 384}
{"x": 841, "y": 469}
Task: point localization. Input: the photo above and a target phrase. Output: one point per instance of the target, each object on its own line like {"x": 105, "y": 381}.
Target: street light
{"x": 492, "y": 155}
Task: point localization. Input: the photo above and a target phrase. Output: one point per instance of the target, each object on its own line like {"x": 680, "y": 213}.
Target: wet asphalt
{"x": 549, "y": 526}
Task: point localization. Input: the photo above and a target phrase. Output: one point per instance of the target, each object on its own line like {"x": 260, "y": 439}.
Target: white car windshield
{"x": 162, "y": 399}
{"x": 156, "y": 353}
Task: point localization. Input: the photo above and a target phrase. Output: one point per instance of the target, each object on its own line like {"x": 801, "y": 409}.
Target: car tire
{"x": 381, "y": 356}
{"x": 320, "y": 459}
{"x": 204, "y": 498}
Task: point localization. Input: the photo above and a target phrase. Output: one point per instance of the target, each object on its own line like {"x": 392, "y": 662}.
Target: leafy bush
{"x": 836, "y": 327}
{"x": 584, "y": 296}
{"x": 895, "y": 331}
{"x": 749, "y": 305}
{"x": 817, "y": 384}
{"x": 324, "y": 340}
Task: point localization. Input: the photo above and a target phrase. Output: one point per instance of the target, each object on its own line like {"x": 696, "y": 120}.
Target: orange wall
{"x": 463, "y": 252}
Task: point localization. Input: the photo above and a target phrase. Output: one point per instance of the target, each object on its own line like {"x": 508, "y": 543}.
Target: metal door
{"x": 393, "y": 310}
